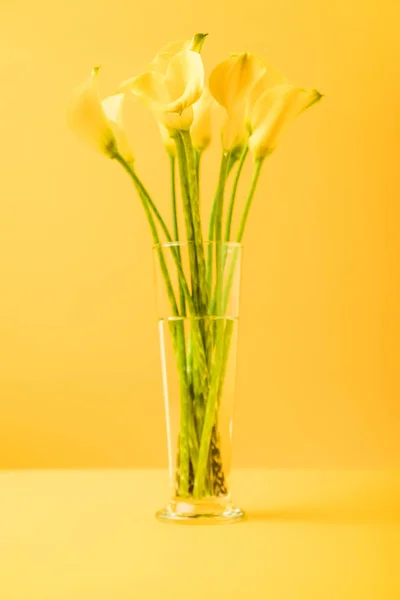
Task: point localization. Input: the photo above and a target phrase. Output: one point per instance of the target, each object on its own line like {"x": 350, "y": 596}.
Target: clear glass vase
{"x": 198, "y": 310}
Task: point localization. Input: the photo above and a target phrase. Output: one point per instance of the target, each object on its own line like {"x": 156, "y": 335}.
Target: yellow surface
{"x": 310, "y": 534}
{"x": 318, "y": 362}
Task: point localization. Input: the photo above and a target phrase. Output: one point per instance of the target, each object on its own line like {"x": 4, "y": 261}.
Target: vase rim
{"x": 205, "y": 243}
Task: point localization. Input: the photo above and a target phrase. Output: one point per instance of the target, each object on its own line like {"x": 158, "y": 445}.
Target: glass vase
{"x": 198, "y": 314}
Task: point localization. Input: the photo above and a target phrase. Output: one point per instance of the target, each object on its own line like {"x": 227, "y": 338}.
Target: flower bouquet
{"x": 198, "y": 277}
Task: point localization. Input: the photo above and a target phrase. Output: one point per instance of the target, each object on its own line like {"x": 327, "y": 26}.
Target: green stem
{"x": 233, "y": 195}
{"x": 196, "y": 219}
{"x": 142, "y": 190}
{"x": 184, "y": 452}
{"x": 144, "y": 198}
{"x": 242, "y": 225}
{"x": 187, "y": 213}
{"x": 210, "y": 413}
{"x": 230, "y": 212}
{"x": 156, "y": 240}
{"x": 213, "y": 395}
{"x": 211, "y": 226}
{"x": 186, "y": 440}
{"x": 173, "y": 197}
{"x": 197, "y": 156}
{"x": 186, "y": 444}
{"x": 176, "y": 228}
{"x": 249, "y": 199}
{"x": 250, "y": 196}
{"x": 223, "y": 337}
{"x": 218, "y": 246}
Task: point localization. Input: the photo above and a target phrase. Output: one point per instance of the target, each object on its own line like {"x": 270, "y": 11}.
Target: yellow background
{"x": 79, "y": 361}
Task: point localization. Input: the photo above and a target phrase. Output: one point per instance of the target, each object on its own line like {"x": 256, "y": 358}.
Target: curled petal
{"x": 113, "y": 109}
{"x": 269, "y": 79}
{"x": 184, "y": 80}
{"x": 86, "y": 118}
{"x": 149, "y": 87}
{"x": 201, "y": 128}
{"x": 174, "y": 92}
{"x": 162, "y": 59}
{"x": 273, "y": 112}
{"x": 233, "y": 79}
{"x": 174, "y": 120}
{"x": 234, "y": 133}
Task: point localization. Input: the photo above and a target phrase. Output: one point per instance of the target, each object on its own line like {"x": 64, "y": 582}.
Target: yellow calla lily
{"x": 98, "y": 123}
{"x": 200, "y": 130}
{"x": 232, "y": 79}
{"x": 162, "y": 59}
{"x": 230, "y": 83}
{"x": 272, "y": 112}
{"x": 172, "y": 95}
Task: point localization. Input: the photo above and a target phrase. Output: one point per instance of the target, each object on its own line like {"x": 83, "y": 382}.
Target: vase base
{"x": 211, "y": 511}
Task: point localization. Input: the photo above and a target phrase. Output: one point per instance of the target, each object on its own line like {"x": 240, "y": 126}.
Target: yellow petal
{"x": 174, "y": 120}
{"x": 113, "y": 109}
{"x": 149, "y": 87}
{"x": 234, "y": 133}
{"x": 184, "y": 80}
{"x": 273, "y": 112}
{"x": 86, "y": 118}
{"x": 233, "y": 79}
{"x": 174, "y": 92}
{"x": 201, "y": 127}
{"x": 270, "y": 78}
{"x": 162, "y": 59}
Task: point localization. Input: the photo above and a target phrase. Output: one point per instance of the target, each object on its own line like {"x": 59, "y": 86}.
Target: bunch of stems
{"x": 201, "y": 360}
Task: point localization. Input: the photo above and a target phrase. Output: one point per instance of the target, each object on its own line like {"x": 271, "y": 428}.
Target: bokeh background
{"x": 319, "y": 355}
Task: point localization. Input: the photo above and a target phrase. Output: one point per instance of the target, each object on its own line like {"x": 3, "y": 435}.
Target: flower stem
{"x": 249, "y": 199}
{"x": 218, "y": 362}
{"x": 186, "y": 445}
{"x": 196, "y": 219}
{"x": 176, "y": 228}
{"x": 233, "y": 195}
{"x": 144, "y": 198}
{"x": 242, "y": 225}
{"x": 187, "y": 213}
{"x": 197, "y": 155}
{"x": 223, "y": 336}
{"x": 142, "y": 190}
{"x": 211, "y": 226}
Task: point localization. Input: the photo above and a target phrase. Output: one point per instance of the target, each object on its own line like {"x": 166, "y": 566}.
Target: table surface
{"x": 92, "y": 534}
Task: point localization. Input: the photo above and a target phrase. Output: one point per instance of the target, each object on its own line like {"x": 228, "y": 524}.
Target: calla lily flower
{"x": 201, "y": 130}
{"x": 270, "y": 113}
{"x": 230, "y": 83}
{"x": 171, "y": 96}
{"x": 98, "y": 123}
{"x": 162, "y": 59}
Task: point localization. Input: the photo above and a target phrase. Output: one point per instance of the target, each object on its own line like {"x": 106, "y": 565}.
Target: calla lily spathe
{"x": 271, "y": 111}
{"x": 230, "y": 83}
{"x": 201, "y": 129}
{"x": 172, "y": 95}
{"x": 162, "y": 59}
{"x": 98, "y": 123}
